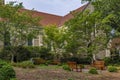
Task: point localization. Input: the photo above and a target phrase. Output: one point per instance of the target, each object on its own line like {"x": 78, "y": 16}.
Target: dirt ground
{"x": 60, "y": 74}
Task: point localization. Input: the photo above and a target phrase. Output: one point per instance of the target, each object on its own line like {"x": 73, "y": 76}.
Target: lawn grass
{"x": 42, "y": 66}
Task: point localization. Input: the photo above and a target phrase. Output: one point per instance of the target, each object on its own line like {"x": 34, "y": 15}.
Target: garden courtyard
{"x": 83, "y": 44}
{"x": 53, "y": 72}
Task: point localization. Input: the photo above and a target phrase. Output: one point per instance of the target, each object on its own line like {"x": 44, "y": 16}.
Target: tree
{"x": 17, "y": 26}
{"x": 110, "y": 16}
{"x": 54, "y": 40}
{"x": 110, "y": 12}
{"x": 86, "y": 34}
{"x": 1, "y": 2}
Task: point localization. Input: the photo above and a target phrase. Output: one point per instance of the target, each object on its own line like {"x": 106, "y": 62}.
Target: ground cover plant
{"x": 24, "y": 64}
{"x": 112, "y": 69}
{"x": 6, "y": 71}
{"x": 93, "y": 71}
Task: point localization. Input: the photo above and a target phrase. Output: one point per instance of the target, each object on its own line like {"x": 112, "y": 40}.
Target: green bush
{"x": 86, "y": 60}
{"x": 46, "y": 64}
{"x": 5, "y": 54}
{"x": 112, "y": 69}
{"x": 60, "y": 64}
{"x": 24, "y": 53}
{"x": 55, "y": 62}
{"x": 82, "y": 66}
{"x": 70, "y": 79}
{"x": 107, "y": 60}
{"x": 13, "y": 79}
{"x": 45, "y": 53}
{"x": 6, "y": 71}
{"x": 41, "y": 52}
{"x": 117, "y": 64}
{"x": 93, "y": 71}
{"x": 66, "y": 67}
{"x": 24, "y": 64}
{"x": 38, "y": 61}
{"x": 14, "y": 64}
{"x": 49, "y": 61}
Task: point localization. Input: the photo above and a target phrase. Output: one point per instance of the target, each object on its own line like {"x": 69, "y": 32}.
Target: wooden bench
{"x": 99, "y": 65}
{"x": 74, "y": 66}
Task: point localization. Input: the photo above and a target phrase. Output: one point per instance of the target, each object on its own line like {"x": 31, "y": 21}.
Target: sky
{"x": 57, "y": 7}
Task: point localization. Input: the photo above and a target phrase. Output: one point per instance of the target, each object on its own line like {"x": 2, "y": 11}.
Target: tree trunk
{"x": 94, "y": 57}
{"x": 12, "y": 58}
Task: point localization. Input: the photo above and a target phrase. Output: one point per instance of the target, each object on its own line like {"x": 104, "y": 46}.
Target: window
{"x": 37, "y": 41}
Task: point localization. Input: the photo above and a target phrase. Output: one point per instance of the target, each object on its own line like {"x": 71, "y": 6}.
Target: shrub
{"x": 82, "y": 66}
{"x": 107, "y": 60}
{"x": 26, "y": 64}
{"x": 23, "y": 53}
{"x": 93, "y": 71}
{"x": 55, "y": 62}
{"x": 112, "y": 69}
{"x": 6, "y": 71}
{"x": 66, "y": 67}
{"x": 38, "y": 61}
{"x": 49, "y": 61}
{"x": 5, "y": 54}
{"x": 86, "y": 60}
{"x": 60, "y": 64}
{"x": 73, "y": 59}
{"x": 14, "y": 64}
{"x": 45, "y": 53}
{"x": 70, "y": 79}
{"x": 41, "y": 52}
{"x": 46, "y": 64}
{"x": 13, "y": 79}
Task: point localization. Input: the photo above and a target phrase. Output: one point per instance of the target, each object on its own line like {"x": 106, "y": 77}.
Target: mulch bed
{"x": 60, "y": 74}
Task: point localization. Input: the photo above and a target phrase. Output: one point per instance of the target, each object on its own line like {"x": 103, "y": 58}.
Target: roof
{"x": 70, "y": 15}
{"x": 48, "y": 19}
{"x": 51, "y": 19}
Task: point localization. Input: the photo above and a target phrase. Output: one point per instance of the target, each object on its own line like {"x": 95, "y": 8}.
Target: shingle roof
{"x": 70, "y": 15}
{"x": 51, "y": 19}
